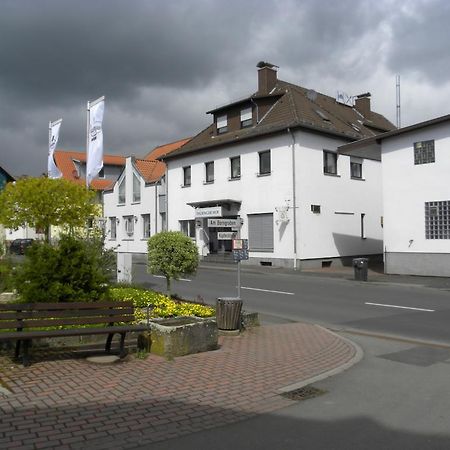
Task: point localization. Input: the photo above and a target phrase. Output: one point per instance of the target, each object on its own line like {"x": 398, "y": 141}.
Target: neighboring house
{"x": 5, "y": 177}
{"x": 270, "y": 162}
{"x": 135, "y": 206}
{"x": 416, "y": 195}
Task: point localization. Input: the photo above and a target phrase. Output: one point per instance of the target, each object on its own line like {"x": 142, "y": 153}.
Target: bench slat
{"x": 62, "y": 306}
{"x": 70, "y": 332}
{"x": 65, "y": 313}
{"x": 38, "y": 323}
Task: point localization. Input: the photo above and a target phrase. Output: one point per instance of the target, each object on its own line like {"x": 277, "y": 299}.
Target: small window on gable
{"x": 122, "y": 191}
{"x": 222, "y": 124}
{"x": 136, "y": 189}
{"x": 246, "y": 117}
{"x": 101, "y": 174}
{"x": 423, "y": 152}
{"x": 329, "y": 163}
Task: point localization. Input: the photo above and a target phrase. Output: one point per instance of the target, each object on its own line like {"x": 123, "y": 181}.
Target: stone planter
{"x": 180, "y": 336}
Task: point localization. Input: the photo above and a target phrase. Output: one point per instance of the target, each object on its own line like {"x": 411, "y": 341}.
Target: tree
{"x": 42, "y": 202}
{"x": 172, "y": 254}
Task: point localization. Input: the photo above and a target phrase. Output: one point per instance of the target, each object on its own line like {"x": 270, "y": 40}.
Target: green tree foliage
{"x": 172, "y": 254}
{"x": 42, "y": 202}
{"x": 74, "y": 270}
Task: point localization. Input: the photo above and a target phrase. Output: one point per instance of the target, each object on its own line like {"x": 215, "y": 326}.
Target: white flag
{"x": 53, "y": 135}
{"x": 94, "y": 139}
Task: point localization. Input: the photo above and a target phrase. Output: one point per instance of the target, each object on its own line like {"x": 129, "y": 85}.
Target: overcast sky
{"x": 163, "y": 64}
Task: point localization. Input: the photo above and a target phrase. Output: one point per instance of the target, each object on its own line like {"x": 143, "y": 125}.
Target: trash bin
{"x": 228, "y": 313}
{"x": 361, "y": 266}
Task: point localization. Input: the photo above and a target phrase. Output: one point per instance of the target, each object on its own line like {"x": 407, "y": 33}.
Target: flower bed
{"x": 160, "y": 305}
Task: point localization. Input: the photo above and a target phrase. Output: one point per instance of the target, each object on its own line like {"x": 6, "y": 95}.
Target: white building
{"x": 416, "y": 196}
{"x": 135, "y": 206}
{"x": 270, "y": 161}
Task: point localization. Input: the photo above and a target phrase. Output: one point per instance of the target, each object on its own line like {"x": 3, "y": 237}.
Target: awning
{"x": 225, "y": 202}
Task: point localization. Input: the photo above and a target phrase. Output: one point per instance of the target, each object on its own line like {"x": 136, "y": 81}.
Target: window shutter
{"x": 260, "y": 232}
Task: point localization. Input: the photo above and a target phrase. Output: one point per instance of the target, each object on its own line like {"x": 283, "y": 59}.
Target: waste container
{"x": 228, "y": 313}
{"x": 361, "y": 266}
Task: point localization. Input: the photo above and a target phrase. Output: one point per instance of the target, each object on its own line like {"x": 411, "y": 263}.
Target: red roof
{"x": 166, "y": 148}
{"x": 65, "y": 163}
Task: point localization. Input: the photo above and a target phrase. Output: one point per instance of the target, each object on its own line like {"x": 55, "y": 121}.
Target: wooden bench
{"x": 24, "y": 322}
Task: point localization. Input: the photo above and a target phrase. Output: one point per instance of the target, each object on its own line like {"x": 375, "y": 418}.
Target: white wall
{"x": 124, "y": 243}
{"x": 323, "y": 235}
{"x": 406, "y": 188}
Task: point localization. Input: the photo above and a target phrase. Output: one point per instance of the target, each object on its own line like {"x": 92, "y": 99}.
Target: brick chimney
{"x": 362, "y": 104}
{"x": 267, "y": 77}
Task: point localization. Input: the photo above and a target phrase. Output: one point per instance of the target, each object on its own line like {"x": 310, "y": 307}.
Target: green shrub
{"x": 6, "y": 275}
{"x": 160, "y": 304}
{"x": 172, "y": 254}
{"x": 71, "y": 271}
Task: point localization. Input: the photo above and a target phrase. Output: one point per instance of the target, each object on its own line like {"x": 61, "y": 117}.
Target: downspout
{"x": 294, "y": 197}
{"x": 156, "y": 208}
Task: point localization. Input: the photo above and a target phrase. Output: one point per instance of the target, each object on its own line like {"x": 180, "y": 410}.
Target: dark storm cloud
{"x": 162, "y": 64}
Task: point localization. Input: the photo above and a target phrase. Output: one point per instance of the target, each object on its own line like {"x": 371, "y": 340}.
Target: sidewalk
{"x": 64, "y": 402}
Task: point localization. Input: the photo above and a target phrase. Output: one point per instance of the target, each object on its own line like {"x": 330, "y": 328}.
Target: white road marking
{"x": 267, "y": 290}
{"x": 179, "y": 279}
{"x": 400, "y": 307}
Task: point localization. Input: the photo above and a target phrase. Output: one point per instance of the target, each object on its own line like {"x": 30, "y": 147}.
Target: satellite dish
{"x": 311, "y": 94}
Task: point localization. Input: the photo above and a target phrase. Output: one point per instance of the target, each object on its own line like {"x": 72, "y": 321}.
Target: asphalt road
{"x": 406, "y": 310}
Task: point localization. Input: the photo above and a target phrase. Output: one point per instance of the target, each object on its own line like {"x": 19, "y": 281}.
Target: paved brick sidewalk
{"x": 68, "y": 403}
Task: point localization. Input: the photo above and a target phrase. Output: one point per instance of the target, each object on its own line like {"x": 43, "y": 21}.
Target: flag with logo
{"x": 94, "y": 139}
{"x": 53, "y": 135}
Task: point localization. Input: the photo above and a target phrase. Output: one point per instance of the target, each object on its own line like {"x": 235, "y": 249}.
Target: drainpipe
{"x": 294, "y": 197}
{"x": 156, "y": 208}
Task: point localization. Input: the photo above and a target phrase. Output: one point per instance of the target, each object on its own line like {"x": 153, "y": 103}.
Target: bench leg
{"x": 108, "y": 343}
{"x": 17, "y": 352}
{"x": 25, "y": 355}
{"x": 123, "y": 352}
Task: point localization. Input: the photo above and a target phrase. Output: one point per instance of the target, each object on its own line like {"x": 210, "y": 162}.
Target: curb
{"x": 359, "y": 353}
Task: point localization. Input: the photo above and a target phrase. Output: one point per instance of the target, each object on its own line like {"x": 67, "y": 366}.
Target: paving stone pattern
{"x": 64, "y": 402}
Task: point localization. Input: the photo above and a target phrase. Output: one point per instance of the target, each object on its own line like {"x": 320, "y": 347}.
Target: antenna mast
{"x": 399, "y": 122}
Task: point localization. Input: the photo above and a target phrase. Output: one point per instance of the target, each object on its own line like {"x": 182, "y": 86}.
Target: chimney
{"x": 267, "y": 77}
{"x": 362, "y": 104}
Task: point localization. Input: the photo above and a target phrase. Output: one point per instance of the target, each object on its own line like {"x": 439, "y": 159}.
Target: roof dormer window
{"x": 222, "y": 124}
{"x": 246, "y": 118}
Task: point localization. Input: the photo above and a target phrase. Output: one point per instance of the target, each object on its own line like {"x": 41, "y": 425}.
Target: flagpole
{"x": 87, "y": 142}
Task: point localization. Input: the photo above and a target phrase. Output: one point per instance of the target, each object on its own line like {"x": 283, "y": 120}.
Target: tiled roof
{"x": 150, "y": 170}
{"x": 166, "y": 148}
{"x": 65, "y": 162}
{"x": 295, "y": 107}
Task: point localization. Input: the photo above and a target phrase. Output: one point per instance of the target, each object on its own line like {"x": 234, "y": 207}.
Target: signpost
{"x": 240, "y": 252}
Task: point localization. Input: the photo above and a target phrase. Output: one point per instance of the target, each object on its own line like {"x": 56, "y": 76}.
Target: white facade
{"x": 347, "y": 213}
{"x": 417, "y": 241}
{"x": 132, "y": 211}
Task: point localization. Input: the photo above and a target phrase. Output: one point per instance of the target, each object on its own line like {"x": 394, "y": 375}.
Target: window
{"x": 363, "y": 231}
{"x": 235, "y": 164}
{"x": 112, "y": 228}
{"x": 187, "y": 227}
{"x": 136, "y": 188}
{"x": 129, "y": 225}
{"x": 437, "y": 220}
{"x": 315, "y": 209}
{"x": 264, "y": 162}
{"x": 355, "y": 167}
{"x": 101, "y": 174}
{"x": 145, "y": 226}
{"x": 260, "y": 232}
{"x": 187, "y": 176}
{"x": 209, "y": 172}
{"x": 246, "y": 118}
{"x": 222, "y": 124}
{"x": 329, "y": 162}
{"x": 423, "y": 152}
{"x": 122, "y": 192}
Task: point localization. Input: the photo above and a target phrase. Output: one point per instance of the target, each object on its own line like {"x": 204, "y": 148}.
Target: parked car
{"x": 19, "y": 246}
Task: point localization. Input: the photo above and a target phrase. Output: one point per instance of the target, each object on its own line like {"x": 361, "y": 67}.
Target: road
{"x": 405, "y": 310}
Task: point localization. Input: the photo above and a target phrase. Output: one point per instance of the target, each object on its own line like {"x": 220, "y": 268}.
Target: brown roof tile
{"x": 162, "y": 150}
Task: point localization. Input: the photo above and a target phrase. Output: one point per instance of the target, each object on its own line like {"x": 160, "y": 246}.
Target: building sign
{"x": 224, "y": 223}
{"x": 225, "y": 235}
{"x": 214, "y": 211}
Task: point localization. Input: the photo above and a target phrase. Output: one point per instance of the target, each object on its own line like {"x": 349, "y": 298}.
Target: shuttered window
{"x": 260, "y": 232}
